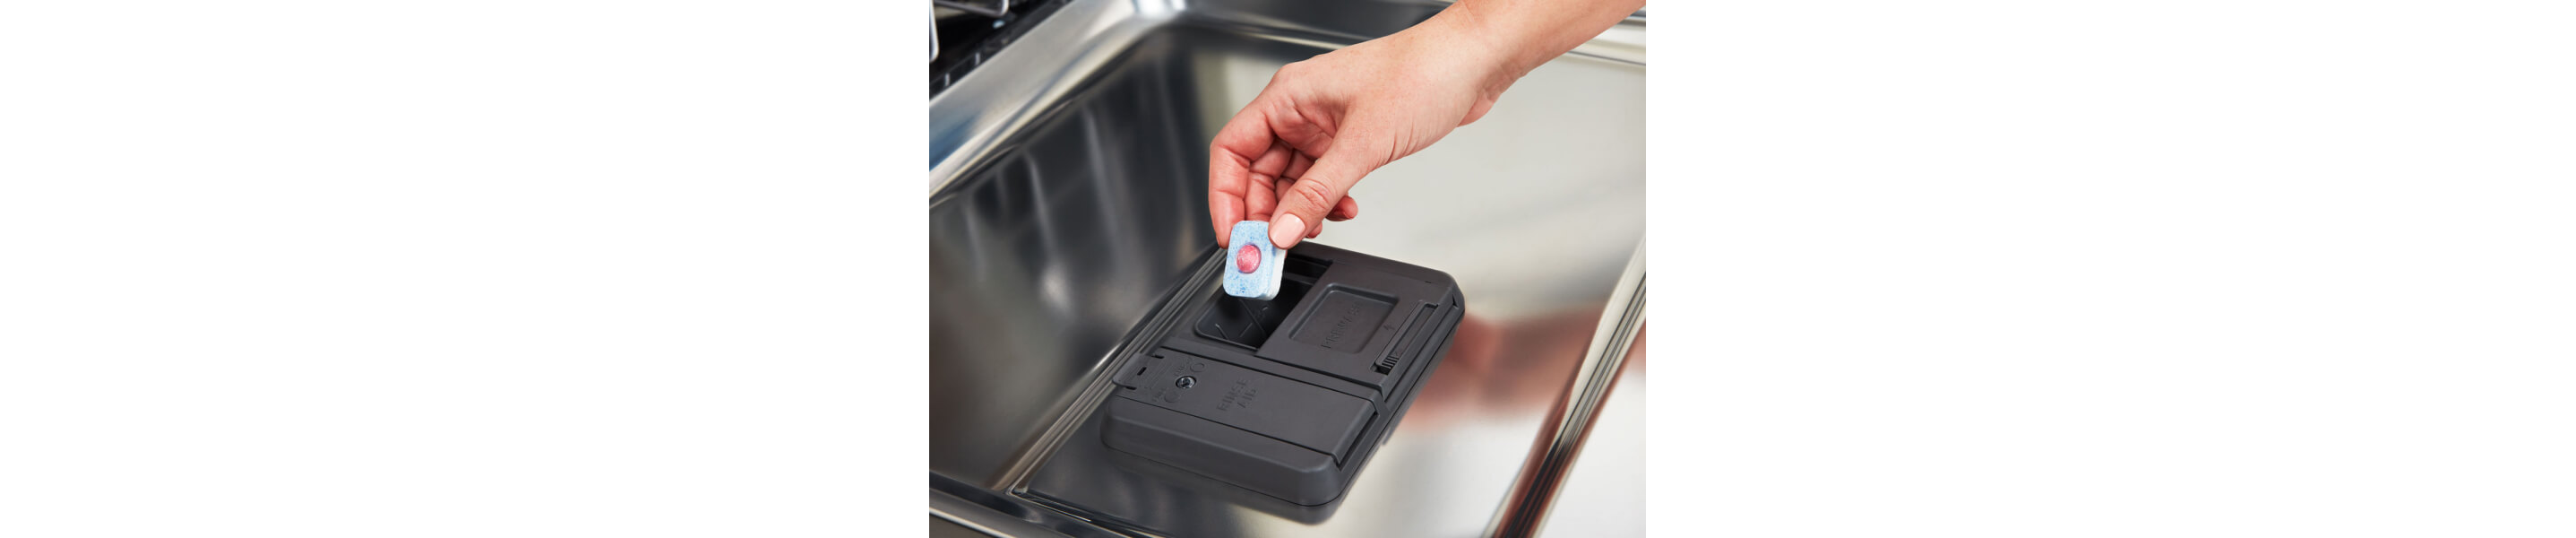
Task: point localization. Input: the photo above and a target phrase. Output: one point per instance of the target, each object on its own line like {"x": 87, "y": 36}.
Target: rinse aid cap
{"x": 1255, "y": 272}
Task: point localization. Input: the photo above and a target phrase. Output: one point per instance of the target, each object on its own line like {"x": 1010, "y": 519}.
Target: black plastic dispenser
{"x": 1288, "y": 397}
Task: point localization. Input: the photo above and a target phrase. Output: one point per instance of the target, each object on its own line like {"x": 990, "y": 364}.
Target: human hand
{"x": 1293, "y": 154}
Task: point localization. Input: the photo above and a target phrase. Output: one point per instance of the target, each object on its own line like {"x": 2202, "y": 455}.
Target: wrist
{"x": 1464, "y": 39}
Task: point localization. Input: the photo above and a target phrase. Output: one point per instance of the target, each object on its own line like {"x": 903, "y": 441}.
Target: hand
{"x": 1291, "y": 156}
{"x": 1322, "y": 125}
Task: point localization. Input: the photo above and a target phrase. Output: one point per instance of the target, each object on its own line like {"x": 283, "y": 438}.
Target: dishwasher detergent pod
{"x": 1252, "y": 263}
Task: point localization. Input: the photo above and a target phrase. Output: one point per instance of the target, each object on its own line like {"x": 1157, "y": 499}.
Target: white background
{"x": 606, "y": 268}
{"x": 2115, "y": 269}
{"x": 501, "y": 268}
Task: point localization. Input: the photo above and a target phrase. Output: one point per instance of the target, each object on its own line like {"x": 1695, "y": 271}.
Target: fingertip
{"x": 1286, "y": 230}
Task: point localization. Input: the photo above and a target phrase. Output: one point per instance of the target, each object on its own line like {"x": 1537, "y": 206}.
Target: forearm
{"x": 1518, "y": 35}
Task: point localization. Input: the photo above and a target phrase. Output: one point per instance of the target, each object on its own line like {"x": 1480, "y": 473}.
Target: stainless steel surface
{"x": 969, "y": 119}
{"x": 1068, "y": 201}
{"x": 988, "y": 512}
{"x": 1043, "y": 258}
{"x": 988, "y": 8}
{"x": 941, "y": 528}
{"x": 1527, "y": 507}
{"x": 1603, "y": 492}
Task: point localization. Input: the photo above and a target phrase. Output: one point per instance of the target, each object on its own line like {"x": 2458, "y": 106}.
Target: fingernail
{"x": 1287, "y": 229}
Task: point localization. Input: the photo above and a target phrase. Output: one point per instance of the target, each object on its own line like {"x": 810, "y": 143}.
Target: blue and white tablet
{"x": 1252, "y": 268}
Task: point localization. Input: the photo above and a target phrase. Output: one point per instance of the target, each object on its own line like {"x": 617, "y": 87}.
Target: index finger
{"x": 1240, "y": 151}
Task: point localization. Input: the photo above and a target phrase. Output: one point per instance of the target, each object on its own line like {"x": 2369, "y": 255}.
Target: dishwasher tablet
{"x": 1252, "y": 263}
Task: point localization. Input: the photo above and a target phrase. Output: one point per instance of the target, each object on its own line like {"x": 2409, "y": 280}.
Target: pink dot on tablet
{"x": 1248, "y": 259}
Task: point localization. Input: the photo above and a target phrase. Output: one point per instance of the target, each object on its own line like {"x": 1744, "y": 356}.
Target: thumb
{"x": 1304, "y": 203}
